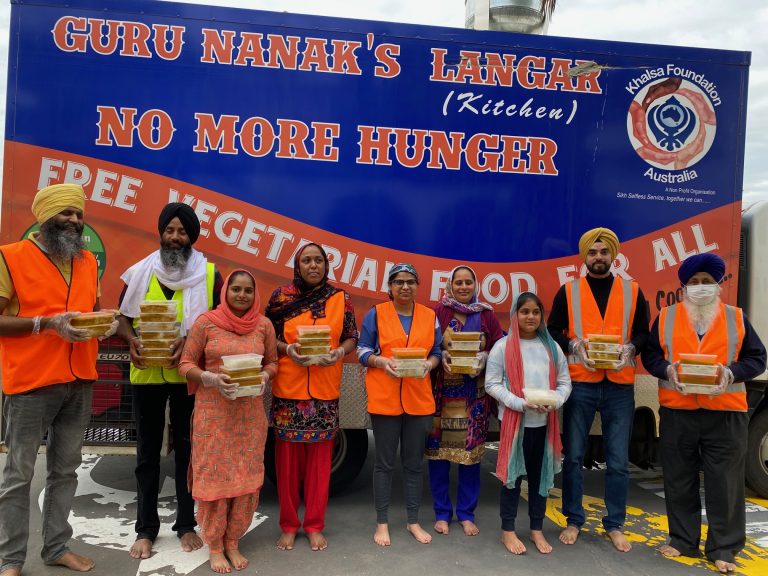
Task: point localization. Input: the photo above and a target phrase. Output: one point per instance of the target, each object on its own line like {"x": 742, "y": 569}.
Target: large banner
{"x": 384, "y": 142}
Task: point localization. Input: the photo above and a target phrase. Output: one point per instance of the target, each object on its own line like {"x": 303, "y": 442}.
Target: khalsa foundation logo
{"x": 671, "y": 125}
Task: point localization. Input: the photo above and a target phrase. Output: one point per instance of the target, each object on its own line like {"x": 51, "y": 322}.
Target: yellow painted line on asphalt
{"x": 650, "y": 529}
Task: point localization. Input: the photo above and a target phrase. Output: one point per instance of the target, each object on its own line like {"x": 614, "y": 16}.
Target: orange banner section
{"x": 123, "y": 205}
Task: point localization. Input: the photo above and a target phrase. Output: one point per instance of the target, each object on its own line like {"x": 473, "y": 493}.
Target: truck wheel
{"x": 349, "y": 453}
{"x": 757, "y": 453}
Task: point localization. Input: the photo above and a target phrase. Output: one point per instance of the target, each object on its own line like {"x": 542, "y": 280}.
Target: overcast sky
{"x": 733, "y": 25}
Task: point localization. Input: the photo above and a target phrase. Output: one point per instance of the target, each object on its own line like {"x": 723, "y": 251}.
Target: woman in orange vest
{"x": 706, "y": 431}
{"x": 401, "y": 408}
{"x": 305, "y": 392}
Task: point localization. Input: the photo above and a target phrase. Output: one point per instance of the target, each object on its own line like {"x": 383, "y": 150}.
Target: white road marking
{"x": 112, "y": 527}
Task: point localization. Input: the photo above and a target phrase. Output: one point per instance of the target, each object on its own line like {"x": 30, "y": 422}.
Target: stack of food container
{"x": 698, "y": 372}
{"x": 314, "y": 341}
{"x": 244, "y": 370}
{"x": 540, "y": 396}
{"x": 410, "y": 362}
{"x": 463, "y": 348}
{"x": 94, "y": 323}
{"x": 604, "y": 350}
{"x": 157, "y": 330}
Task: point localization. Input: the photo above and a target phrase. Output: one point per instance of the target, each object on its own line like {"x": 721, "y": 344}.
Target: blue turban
{"x": 710, "y": 263}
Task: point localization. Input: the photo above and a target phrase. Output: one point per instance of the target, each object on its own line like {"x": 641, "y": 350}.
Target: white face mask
{"x": 701, "y": 294}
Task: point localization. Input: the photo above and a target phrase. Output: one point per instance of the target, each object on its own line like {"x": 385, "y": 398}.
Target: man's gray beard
{"x": 63, "y": 243}
{"x": 175, "y": 258}
{"x": 701, "y": 316}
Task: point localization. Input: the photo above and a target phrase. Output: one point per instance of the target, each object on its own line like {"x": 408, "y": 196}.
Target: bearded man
{"x": 598, "y": 303}
{"x": 705, "y": 432}
{"x": 174, "y": 272}
{"x": 45, "y": 280}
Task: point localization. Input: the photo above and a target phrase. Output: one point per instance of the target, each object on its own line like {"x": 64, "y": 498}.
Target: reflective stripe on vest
{"x": 619, "y": 315}
{"x": 43, "y": 291}
{"x": 156, "y": 375}
{"x": 394, "y": 396}
{"x": 304, "y": 382}
{"x": 723, "y": 338}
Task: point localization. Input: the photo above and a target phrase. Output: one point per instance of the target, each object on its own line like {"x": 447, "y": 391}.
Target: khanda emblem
{"x": 671, "y": 123}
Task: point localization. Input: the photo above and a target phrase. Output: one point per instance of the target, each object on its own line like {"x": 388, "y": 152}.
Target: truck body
{"x": 383, "y": 142}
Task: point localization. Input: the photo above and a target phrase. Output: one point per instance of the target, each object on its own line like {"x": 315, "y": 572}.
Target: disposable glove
{"x": 60, "y": 323}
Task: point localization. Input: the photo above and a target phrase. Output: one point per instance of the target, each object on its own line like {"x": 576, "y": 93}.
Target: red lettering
{"x": 212, "y": 135}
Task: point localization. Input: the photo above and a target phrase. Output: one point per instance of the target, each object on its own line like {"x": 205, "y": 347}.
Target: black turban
{"x": 186, "y": 216}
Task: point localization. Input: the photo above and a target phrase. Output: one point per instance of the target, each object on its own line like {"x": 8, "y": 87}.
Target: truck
{"x": 384, "y": 142}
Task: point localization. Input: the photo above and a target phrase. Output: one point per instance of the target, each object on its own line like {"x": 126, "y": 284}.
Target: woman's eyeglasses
{"x": 400, "y": 283}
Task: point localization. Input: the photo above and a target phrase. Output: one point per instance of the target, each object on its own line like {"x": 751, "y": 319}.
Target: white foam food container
{"x": 540, "y": 396}
{"x": 240, "y": 361}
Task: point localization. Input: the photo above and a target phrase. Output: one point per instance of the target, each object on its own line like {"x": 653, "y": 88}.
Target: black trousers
{"x": 716, "y": 443}
{"x": 534, "y": 441}
{"x": 149, "y": 402}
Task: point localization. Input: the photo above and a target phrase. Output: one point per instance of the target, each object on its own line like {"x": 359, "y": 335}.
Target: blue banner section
{"x": 488, "y": 147}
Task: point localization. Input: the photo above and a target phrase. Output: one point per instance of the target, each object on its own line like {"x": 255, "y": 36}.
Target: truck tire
{"x": 349, "y": 453}
{"x": 757, "y": 453}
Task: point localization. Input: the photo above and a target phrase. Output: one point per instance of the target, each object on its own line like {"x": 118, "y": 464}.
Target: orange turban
{"x": 604, "y": 235}
{"x": 54, "y": 199}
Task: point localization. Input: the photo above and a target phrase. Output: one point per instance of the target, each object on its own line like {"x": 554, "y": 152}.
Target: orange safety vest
{"x": 394, "y": 396}
{"x": 31, "y": 362}
{"x": 584, "y": 318}
{"x": 724, "y": 339}
{"x": 304, "y": 382}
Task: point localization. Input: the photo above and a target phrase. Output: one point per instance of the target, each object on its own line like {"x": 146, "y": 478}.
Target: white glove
{"x": 60, "y": 323}
{"x": 725, "y": 380}
{"x": 482, "y": 358}
{"x": 332, "y": 357}
{"x": 578, "y": 348}
{"x": 672, "y": 377}
{"x": 626, "y": 353}
{"x": 221, "y": 381}
{"x": 112, "y": 330}
{"x": 293, "y": 351}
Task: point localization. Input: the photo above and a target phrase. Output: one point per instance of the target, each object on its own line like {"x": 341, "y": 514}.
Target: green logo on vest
{"x": 93, "y": 243}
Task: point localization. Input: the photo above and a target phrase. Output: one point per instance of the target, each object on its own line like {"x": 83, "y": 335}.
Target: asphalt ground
{"x": 104, "y": 511}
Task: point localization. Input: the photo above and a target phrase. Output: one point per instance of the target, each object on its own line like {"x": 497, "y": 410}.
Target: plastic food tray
{"x": 148, "y": 352}
{"x": 156, "y": 361}
{"x": 699, "y": 388}
{"x": 698, "y": 369}
{"x": 255, "y": 390}
{"x": 698, "y": 359}
{"x": 152, "y": 335}
{"x": 158, "y": 306}
{"x": 604, "y": 347}
{"x": 88, "y": 319}
{"x": 157, "y": 342}
{"x": 465, "y": 345}
{"x": 314, "y": 350}
{"x": 248, "y": 380}
{"x": 458, "y": 369}
{"x": 242, "y": 372}
{"x": 409, "y": 353}
{"x": 697, "y": 379}
{"x": 609, "y": 338}
{"x": 415, "y": 372}
{"x": 614, "y": 356}
{"x": 96, "y": 330}
{"x": 314, "y": 331}
{"x": 241, "y": 361}
{"x": 464, "y": 361}
{"x": 463, "y": 353}
{"x": 605, "y": 364}
{"x": 462, "y": 336}
{"x": 157, "y": 326}
{"x": 158, "y": 316}
{"x": 315, "y": 341}
{"x": 540, "y": 396}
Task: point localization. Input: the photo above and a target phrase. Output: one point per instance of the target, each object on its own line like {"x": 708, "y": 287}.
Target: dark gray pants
{"x": 716, "y": 443}
{"x": 63, "y": 410}
{"x": 410, "y": 433}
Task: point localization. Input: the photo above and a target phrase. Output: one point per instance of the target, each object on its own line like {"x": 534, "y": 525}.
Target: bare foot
{"x": 537, "y": 537}
{"x": 419, "y": 533}
{"x": 141, "y": 549}
{"x": 317, "y": 541}
{"x": 669, "y": 551}
{"x": 724, "y": 567}
{"x": 381, "y": 536}
{"x": 219, "y": 563}
{"x": 441, "y": 527}
{"x": 286, "y": 540}
{"x": 619, "y": 541}
{"x": 15, "y": 571}
{"x": 74, "y": 562}
{"x": 191, "y": 541}
{"x": 239, "y": 562}
{"x": 512, "y": 542}
{"x": 470, "y": 528}
{"x": 569, "y": 535}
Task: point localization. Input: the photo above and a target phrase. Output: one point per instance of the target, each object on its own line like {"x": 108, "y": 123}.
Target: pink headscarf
{"x": 224, "y": 318}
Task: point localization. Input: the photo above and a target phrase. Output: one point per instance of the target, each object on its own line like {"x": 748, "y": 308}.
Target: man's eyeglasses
{"x": 400, "y": 283}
